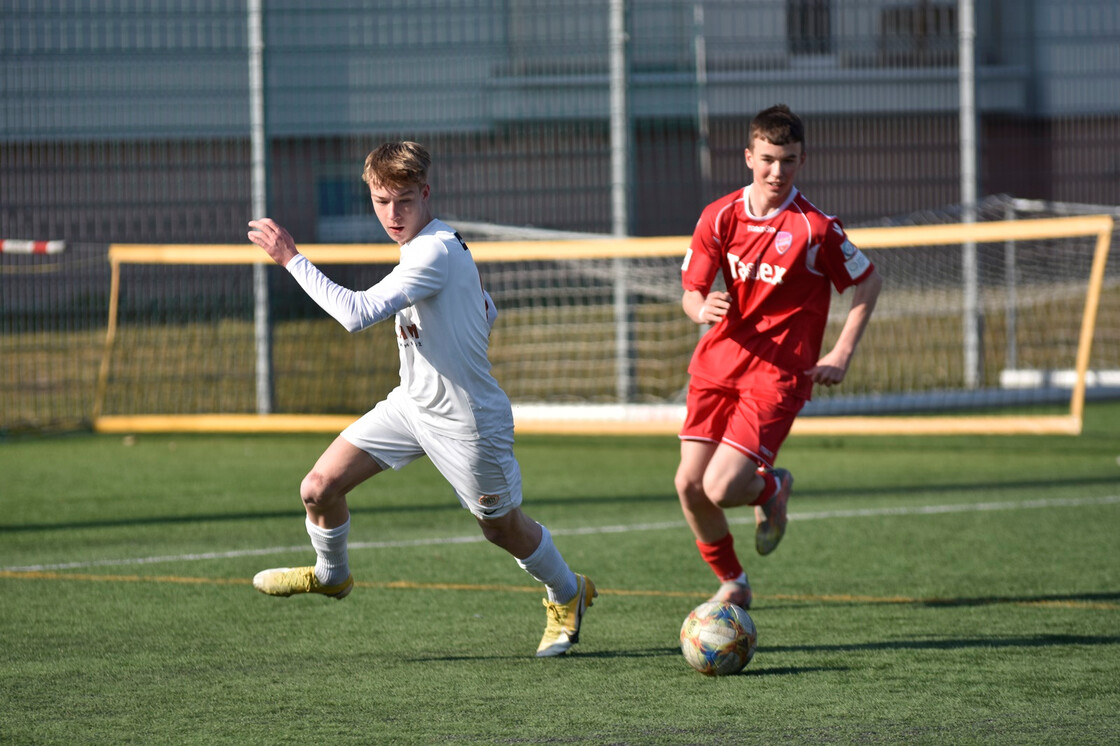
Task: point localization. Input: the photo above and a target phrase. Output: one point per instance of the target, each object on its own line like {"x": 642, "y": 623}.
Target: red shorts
{"x": 754, "y": 418}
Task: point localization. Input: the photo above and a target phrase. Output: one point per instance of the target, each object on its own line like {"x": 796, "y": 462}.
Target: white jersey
{"x": 442, "y": 317}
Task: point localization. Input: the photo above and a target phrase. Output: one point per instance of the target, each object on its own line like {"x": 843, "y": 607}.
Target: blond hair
{"x": 397, "y": 165}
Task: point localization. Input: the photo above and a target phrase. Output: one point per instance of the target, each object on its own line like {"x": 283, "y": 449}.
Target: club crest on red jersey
{"x": 783, "y": 241}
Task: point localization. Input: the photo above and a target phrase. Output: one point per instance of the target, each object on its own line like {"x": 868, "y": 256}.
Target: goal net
{"x": 981, "y": 327}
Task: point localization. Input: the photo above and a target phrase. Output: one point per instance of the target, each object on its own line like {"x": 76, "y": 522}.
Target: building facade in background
{"x": 129, "y": 122}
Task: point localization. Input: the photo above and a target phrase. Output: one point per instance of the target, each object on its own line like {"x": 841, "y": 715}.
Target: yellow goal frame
{"x": 619, "y": 419}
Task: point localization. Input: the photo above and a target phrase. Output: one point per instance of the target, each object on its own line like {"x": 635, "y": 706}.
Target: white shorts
{"x": 483, "y": 472}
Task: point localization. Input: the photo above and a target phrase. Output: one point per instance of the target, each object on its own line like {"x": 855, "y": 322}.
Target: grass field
{"x": 929, "y": 590}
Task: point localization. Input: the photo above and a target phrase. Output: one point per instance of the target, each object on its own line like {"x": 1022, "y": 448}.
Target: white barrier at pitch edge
{"x": 18, "y": 246}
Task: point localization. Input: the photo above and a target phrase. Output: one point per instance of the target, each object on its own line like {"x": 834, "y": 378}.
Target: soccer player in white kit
{"x": 447, "y": 407}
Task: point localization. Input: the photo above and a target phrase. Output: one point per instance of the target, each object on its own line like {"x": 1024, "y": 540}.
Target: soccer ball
{"x": 718, "y": 638}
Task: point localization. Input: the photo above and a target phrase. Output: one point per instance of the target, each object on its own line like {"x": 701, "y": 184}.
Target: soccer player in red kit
{"x": 754, "y": 369}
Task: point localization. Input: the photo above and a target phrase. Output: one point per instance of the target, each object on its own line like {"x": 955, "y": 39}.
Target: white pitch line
{"x": 588, "y": 531}
{"x": 966, "y": 508}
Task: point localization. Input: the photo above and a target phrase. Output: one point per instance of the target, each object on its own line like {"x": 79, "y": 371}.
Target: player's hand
{"x": 715, "y": 307}
{"x": 276, "y": 241}
{"x": 829, "y": 370}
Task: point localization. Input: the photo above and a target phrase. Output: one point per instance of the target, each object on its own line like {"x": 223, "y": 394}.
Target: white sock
{"x": 332, "y": 562}
{"x": 546, "y": 565}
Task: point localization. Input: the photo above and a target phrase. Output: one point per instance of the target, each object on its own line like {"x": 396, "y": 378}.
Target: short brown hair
{"x": 778, "y": 126}
{"x": 397, "y": 165}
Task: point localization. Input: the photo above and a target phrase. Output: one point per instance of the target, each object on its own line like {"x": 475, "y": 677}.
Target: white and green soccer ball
{"x": 718, "y": 638}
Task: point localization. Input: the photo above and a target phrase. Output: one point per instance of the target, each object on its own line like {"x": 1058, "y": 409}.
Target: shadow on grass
{"x": 170, "y": 520}
{"x": 1103, "y": 597}
{"x": 947, "y": 643}
{"x": 1086, "y": 598}
{"x": 951, "y": 643}
{"x": 452, "y": 505}
{"x": 572, "y": 655}
{"x": 666, "y": 652}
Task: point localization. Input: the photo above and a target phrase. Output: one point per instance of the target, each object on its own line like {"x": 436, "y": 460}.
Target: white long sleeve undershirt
{"x": 354, "y": 309}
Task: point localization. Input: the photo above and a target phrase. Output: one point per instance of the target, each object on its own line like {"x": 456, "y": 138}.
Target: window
{"x": 919, "y": 34}
{"x": 809, "y": 26}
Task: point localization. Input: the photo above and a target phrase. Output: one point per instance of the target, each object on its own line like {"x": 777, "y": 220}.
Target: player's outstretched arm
{"x": 276, "y": 241}
{"x": 832, "y": 368}
{"x": 354, "y": 310}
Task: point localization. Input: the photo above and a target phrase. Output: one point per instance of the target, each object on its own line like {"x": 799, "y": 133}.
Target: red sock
{"x": 769, "y": 487}
{"x": 721, "y": 557}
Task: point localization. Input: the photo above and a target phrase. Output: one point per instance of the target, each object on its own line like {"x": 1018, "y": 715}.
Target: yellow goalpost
{"x": 651, "y": 264}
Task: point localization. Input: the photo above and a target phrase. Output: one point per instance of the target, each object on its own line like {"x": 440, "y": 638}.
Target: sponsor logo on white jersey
{"x": 408, "y": 334}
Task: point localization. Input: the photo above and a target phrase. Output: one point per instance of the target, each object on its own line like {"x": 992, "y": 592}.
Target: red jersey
{"x": 778, "y": 270}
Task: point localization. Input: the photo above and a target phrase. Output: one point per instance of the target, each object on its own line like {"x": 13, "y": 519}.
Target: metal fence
{"x": 130, "y": 122}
